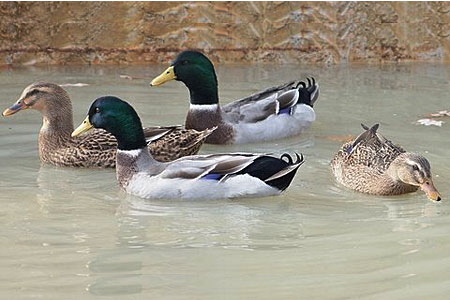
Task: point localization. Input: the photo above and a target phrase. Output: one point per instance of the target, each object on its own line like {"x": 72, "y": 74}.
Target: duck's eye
{"x": 184, "y": 62}
{"x": 415, "y": 168}
{"x": 97, "y": 110}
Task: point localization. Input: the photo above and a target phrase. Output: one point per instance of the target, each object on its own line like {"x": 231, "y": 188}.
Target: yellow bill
{"x": 431, "y": 191}
{"x": 18, "y": 106}
{"x": 167, "y": 75}
{"x": 85, "y": 126}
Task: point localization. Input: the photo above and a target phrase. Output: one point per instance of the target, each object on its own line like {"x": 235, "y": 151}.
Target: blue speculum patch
{"x": 349, "y": 149}
{"x": 287, "y": 110}
{"x": 212, "y": 176}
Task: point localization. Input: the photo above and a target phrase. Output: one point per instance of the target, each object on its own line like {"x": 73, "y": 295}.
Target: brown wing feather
{"x": 98, "y": 148}
{"x": 177, "y": 143}
{"x": 369, "y": 149}
{"x": 154, "y": 133}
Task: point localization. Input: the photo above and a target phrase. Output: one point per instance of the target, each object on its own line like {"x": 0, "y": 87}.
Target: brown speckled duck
{"x": 374, "y": 165}
{"x": 97, "y": 149}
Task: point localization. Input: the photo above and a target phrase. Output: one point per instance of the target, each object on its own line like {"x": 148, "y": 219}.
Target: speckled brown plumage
{"x": 178, "y": 142}
{"x": 97, "y": 148}
{"x": 370, "y": 165}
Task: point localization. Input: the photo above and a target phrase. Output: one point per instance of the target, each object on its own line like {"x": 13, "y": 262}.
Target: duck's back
{"x": 274, "y": 113}
{"x": 176, "y": 143}
{"x": 98, "y": 148}
{"x": 362, "y": 163}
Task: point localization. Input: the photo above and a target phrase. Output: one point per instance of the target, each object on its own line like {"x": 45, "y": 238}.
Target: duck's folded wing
{"x": 269, "y": 92}
{"x": 170, "y": 143}
{"x": 215, "y": 165}
{"x": 371, "y": 148}
{"x": 261, "y": 105}
{"x": 179, "y": 137}
{"x": 154, "y": 133}
{"x": 370, "y": 138}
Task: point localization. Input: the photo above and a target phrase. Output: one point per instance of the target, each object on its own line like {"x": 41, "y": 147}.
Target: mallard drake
{"x": 274, "y": 113}
{"x": 97, "y": 149}
{"x": 374, "y": 165}
{"x": 201, "y": 176}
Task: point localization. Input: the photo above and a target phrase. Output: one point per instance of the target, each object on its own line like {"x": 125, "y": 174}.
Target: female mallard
{"x": 200, "y": 176}
{"x": 374, "y": 165}
{"x": 274, "y": 113}
{"x": 97, "y": 149}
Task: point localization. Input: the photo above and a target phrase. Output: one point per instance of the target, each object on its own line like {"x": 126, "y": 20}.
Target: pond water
{"x": 71, "y": 234}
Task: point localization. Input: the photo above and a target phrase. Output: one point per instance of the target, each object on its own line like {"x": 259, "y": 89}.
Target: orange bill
{"x": 431, "y": 191}
{"x": 18, "y": 106}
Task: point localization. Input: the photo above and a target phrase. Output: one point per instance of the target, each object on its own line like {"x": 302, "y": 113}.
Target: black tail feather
{"x": 288, "y": 158}
{"x": 309, "y": 93}
{"x": 283, "y": 183}
{"x": 267, "y": 167}
{"x": 372, "y": 129}
{"x": 300, "y": 83}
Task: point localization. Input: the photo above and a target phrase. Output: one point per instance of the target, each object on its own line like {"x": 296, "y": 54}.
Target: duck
{"x": 97, "y": 149}
{"x": 372, "y": 164}
{"x": 274, "y": 113}
{"x": 212, "y": 176}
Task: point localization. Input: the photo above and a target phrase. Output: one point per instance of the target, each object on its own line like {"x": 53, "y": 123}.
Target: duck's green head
{"x": 197, "y": 72}
{"x": 118, "y": 118}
